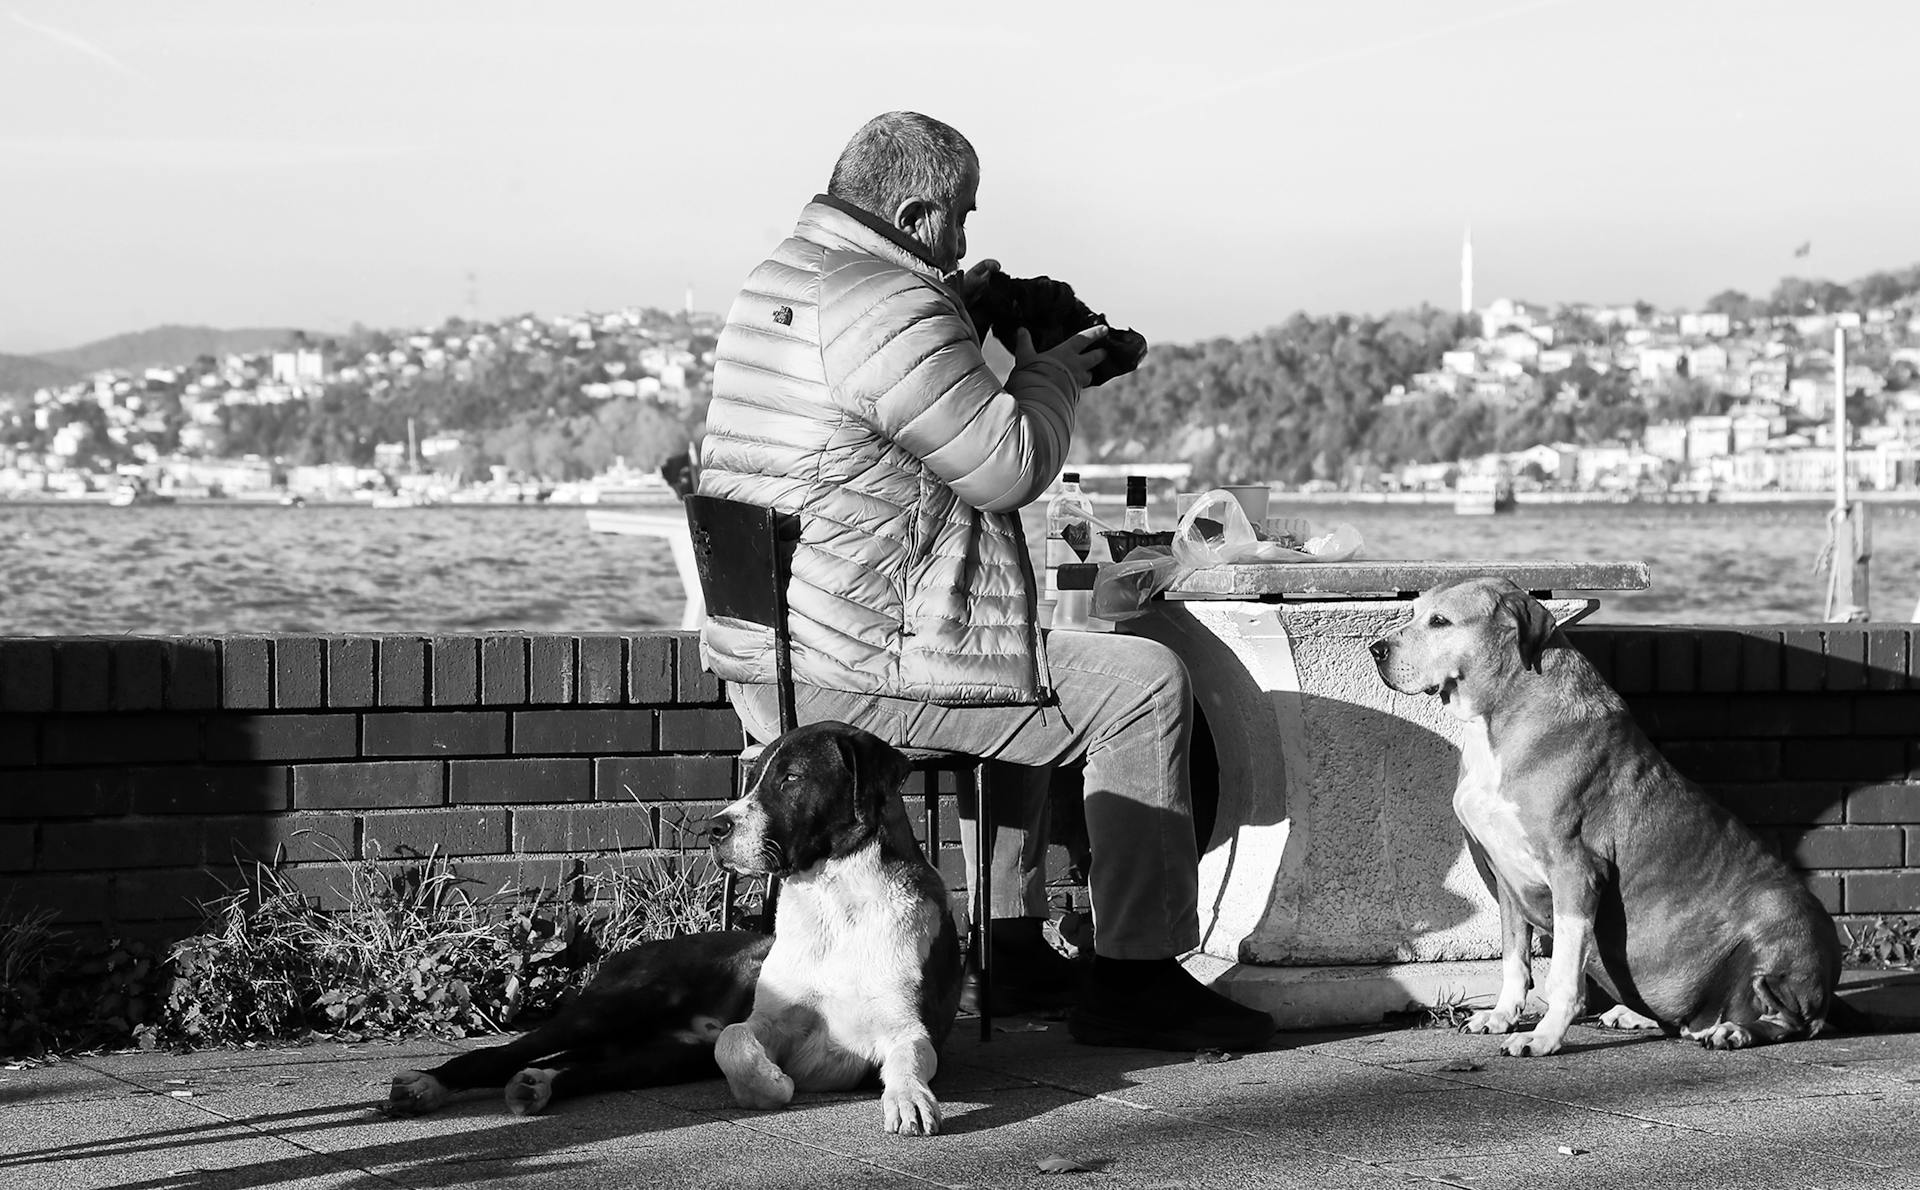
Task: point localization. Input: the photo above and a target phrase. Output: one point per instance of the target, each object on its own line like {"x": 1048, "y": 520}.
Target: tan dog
{"x": 1645, "y": 884}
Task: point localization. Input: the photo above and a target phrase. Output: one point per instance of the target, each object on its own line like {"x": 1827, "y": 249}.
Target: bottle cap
{"x": 1069, "y": 477}
{"x": 1077, "y": 576}
{"x": 1137, "y": 490}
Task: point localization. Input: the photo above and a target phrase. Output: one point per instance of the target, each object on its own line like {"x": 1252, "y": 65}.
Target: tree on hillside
{"x": 1800, "y": 295}
{"x": 1736, "y": 305}
{"x": 1886, "y": 288}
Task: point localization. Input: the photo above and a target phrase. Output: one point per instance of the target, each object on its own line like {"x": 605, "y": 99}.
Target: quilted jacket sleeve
{"x": 900, "y": 355}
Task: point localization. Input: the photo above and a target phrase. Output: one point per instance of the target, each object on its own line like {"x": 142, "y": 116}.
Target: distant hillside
{"x": 24, "y": 373}
{"x": 164, "y": 345}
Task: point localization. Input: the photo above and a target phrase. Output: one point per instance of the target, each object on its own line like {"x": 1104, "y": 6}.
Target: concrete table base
{"x": 1337, "y": 879}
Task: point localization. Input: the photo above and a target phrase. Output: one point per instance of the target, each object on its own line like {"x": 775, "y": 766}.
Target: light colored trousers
{"x": 1124, "y": 706}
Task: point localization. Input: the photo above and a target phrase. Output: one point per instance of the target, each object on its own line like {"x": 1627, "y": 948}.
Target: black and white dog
{"x": 861, "y": 977}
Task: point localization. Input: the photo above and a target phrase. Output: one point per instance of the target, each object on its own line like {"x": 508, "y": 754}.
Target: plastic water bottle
{"x": 1074, "y": 599}
{"x": 1136, "y": 514}
{"x": 1069, "y": 539}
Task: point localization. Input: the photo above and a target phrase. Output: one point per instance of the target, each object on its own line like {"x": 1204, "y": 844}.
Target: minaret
{"x": 1466, "y": 272}
{"x": 689, "y": 299}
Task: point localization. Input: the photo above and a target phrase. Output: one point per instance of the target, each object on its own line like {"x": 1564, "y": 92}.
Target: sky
{"x": 1194, "y": 169}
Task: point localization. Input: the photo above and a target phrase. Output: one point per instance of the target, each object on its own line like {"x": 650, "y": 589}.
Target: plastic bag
{"x": 1215, "y": 531}
{"x": 1121, "y": 589}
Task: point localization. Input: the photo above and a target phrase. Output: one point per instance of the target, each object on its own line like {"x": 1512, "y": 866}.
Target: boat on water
{"x": 405, "y": 498}
{"x": 130, "y": 492}
{"x": 1482, "y": 495}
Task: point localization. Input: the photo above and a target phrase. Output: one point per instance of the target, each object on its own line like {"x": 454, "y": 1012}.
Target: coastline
{"x": 1711, "y": 497}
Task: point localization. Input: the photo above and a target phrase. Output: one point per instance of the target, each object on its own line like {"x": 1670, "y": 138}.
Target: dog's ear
{"x": 879, "y": 770}
{"x": 1533, "y": 624}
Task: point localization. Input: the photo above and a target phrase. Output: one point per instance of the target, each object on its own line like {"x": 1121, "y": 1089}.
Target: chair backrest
{"x": 742, "y": 552}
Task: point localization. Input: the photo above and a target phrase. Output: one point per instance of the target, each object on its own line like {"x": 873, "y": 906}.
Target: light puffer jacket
{"x": 848, "y": 387}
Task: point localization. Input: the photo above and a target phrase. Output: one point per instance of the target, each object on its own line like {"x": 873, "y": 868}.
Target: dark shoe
{"x": 1156, "y": 1005}
{"x": 1029, "y": 975}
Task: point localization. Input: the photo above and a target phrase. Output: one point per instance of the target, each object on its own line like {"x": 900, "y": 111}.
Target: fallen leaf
{"x": 1570, "y": 1151}
{"x": 1206, "y": 1057}
{"x": 1065, "y": 1165}
{"x": 1462, "y": 1064}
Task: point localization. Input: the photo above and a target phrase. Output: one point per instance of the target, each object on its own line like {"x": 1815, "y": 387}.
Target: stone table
{"x": 1336, "y": 883}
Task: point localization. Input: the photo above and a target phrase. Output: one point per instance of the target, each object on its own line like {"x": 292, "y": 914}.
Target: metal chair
{"x": 743, "y": 553}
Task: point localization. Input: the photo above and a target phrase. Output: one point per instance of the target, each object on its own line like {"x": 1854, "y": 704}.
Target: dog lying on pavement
{"x": 861, "y": 976}
{"x": 1660, "y": 895}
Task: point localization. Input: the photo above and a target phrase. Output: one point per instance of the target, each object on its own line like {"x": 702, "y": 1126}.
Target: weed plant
{"x": 1885, "y": 942}
{"x": 59, "y": 993}
{"x": 412, "y": 950}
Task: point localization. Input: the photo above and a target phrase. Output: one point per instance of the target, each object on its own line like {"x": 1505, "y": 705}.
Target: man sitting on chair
{"x": 849, "y": 388}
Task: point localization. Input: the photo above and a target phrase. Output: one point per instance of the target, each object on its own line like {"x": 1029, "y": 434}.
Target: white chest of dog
{"x": 1492, "y": 818}
{"x": 842, "y": 981}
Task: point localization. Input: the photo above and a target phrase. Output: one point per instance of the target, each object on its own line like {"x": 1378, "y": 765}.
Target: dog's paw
{"x": 1622, "y": 1017}
{"x": 1490, "y": 1020}
{"x": 752, "y": 1076}
{"x": 529, "y": 1092}
{"x": 1534, "y": 1044}
{"x": 910, "y": 1109}
{"x": 413, "y": 1093}
{"x": 1727, "y": 1035}
{"x": 761, "y": 1090}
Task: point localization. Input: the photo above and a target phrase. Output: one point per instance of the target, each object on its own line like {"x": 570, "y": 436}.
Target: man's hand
{"x": 1079, "y": 354}
{"x": 974, "y": 279}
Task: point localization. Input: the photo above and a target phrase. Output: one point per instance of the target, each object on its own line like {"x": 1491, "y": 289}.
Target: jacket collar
{"x": 827, "y": 218}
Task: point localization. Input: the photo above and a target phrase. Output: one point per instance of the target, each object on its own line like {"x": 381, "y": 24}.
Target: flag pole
{"x": 1848, "y": 534}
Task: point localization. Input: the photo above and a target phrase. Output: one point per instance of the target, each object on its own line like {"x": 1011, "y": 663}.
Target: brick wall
{"x": 137, "y": 775}
{"x": 1811, "y": 733}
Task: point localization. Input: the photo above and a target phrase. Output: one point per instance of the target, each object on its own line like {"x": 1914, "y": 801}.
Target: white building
{"x": 1659, "y": 362}
{"x": 1667, "y": 440}
{"x": 1709, "y": 437}
{"x": 300, "y": 366}
{"x": 1706, "y": 323}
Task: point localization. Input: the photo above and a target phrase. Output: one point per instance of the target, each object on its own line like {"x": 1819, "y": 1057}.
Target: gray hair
{"x": 898, "y": 156}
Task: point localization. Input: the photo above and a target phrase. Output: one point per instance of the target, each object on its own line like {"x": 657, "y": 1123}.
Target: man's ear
{"x": 910, "y": 214}
{"x": 1534, "y": 625}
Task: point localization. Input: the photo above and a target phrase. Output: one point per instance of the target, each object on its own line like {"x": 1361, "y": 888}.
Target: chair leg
{"x": 983, "y": 837}
{"x": 930, "y": 811}
{"x": 727, "y": 893}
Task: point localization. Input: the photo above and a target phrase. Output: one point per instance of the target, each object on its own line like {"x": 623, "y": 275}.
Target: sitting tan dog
{"x": 1667, "y": 901}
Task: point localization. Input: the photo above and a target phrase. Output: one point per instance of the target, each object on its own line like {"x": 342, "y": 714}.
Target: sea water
{"x": 70, "y": 569}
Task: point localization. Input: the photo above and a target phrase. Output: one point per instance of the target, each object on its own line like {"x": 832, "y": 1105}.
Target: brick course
{"x": 137, "y": 774}
{"x": 435, "y": 733}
